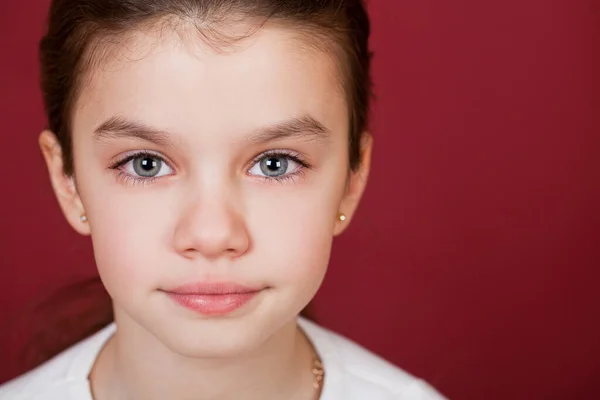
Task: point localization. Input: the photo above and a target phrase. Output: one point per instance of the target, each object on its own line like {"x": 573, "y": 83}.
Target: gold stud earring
{"x": 342, "y": 217}
{"x": 83, "y": 218}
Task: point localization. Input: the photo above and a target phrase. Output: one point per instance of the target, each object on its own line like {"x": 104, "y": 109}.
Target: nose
{"x": 211, "y": 226}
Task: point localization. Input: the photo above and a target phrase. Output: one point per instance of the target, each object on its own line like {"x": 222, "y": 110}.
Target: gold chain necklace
{"x": 318, "y": 373}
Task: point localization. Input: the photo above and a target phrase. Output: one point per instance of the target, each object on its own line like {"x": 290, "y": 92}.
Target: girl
{"x": 211, "y": 149}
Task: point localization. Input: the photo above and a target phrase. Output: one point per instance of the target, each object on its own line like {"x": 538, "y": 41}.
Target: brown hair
{"x": 73, "y": 44}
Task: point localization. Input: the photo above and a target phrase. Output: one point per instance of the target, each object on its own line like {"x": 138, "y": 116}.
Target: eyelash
{"x": 290, "y": 177}
{"x": 127, "y": 178}
{"x": 136, "y": 180}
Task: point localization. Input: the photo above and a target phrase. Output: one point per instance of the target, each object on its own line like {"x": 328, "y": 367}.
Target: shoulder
{"x": 63, "y": 377}
{"x": 49, "y": 381}
{"x": 352, "y": 372}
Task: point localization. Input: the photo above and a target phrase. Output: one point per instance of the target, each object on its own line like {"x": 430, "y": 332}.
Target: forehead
{"x": 174, "y": 80}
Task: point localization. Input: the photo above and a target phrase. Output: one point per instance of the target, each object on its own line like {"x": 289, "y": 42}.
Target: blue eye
{"x": 276, "y": 165}
{"x": 143, "y": 166}
{"x": 148, "y": 167}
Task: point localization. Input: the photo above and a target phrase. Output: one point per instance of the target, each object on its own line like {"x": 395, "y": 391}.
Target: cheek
{"x": 293, "y": 234}
{"x": 298, "y": 253}
{"x": 126, "y": 232}
{"x": 123, "y": 252}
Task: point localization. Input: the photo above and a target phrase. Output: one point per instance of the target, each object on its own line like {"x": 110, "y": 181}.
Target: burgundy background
{"x": 473, "y": 260}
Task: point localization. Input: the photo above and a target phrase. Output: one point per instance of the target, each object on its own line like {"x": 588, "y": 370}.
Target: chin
{"x": 214, "y": 338}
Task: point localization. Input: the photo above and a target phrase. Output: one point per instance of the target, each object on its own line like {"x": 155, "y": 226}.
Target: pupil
{"x": 273, "y": 164}
{"x": 148, "y": 164}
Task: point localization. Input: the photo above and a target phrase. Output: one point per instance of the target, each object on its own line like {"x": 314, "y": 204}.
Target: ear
{"x": 63, "y": 185}
{"x": 357, "y": 182}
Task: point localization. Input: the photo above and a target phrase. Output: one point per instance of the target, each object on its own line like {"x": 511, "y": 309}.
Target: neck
{"x": 135, "y": 365}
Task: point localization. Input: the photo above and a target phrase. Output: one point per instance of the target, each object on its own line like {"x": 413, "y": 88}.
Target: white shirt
{"x": 351, "y": 372}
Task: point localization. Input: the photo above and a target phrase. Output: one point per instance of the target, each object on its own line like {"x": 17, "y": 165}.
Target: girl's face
{"x": 197, "y": 166}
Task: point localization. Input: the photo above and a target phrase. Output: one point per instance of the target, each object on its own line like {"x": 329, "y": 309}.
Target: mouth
{"x": 213, "y": 298}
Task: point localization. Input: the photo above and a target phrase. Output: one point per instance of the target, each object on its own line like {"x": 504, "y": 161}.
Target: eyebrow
{"x": 119, "y": 127}
{"x": 305, "y": 127}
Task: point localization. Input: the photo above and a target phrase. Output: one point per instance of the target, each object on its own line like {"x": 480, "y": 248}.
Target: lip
{"x": 219, "y": 298}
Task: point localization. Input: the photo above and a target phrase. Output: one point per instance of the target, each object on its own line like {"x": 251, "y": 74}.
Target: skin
{"x": 210, "y": 215}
